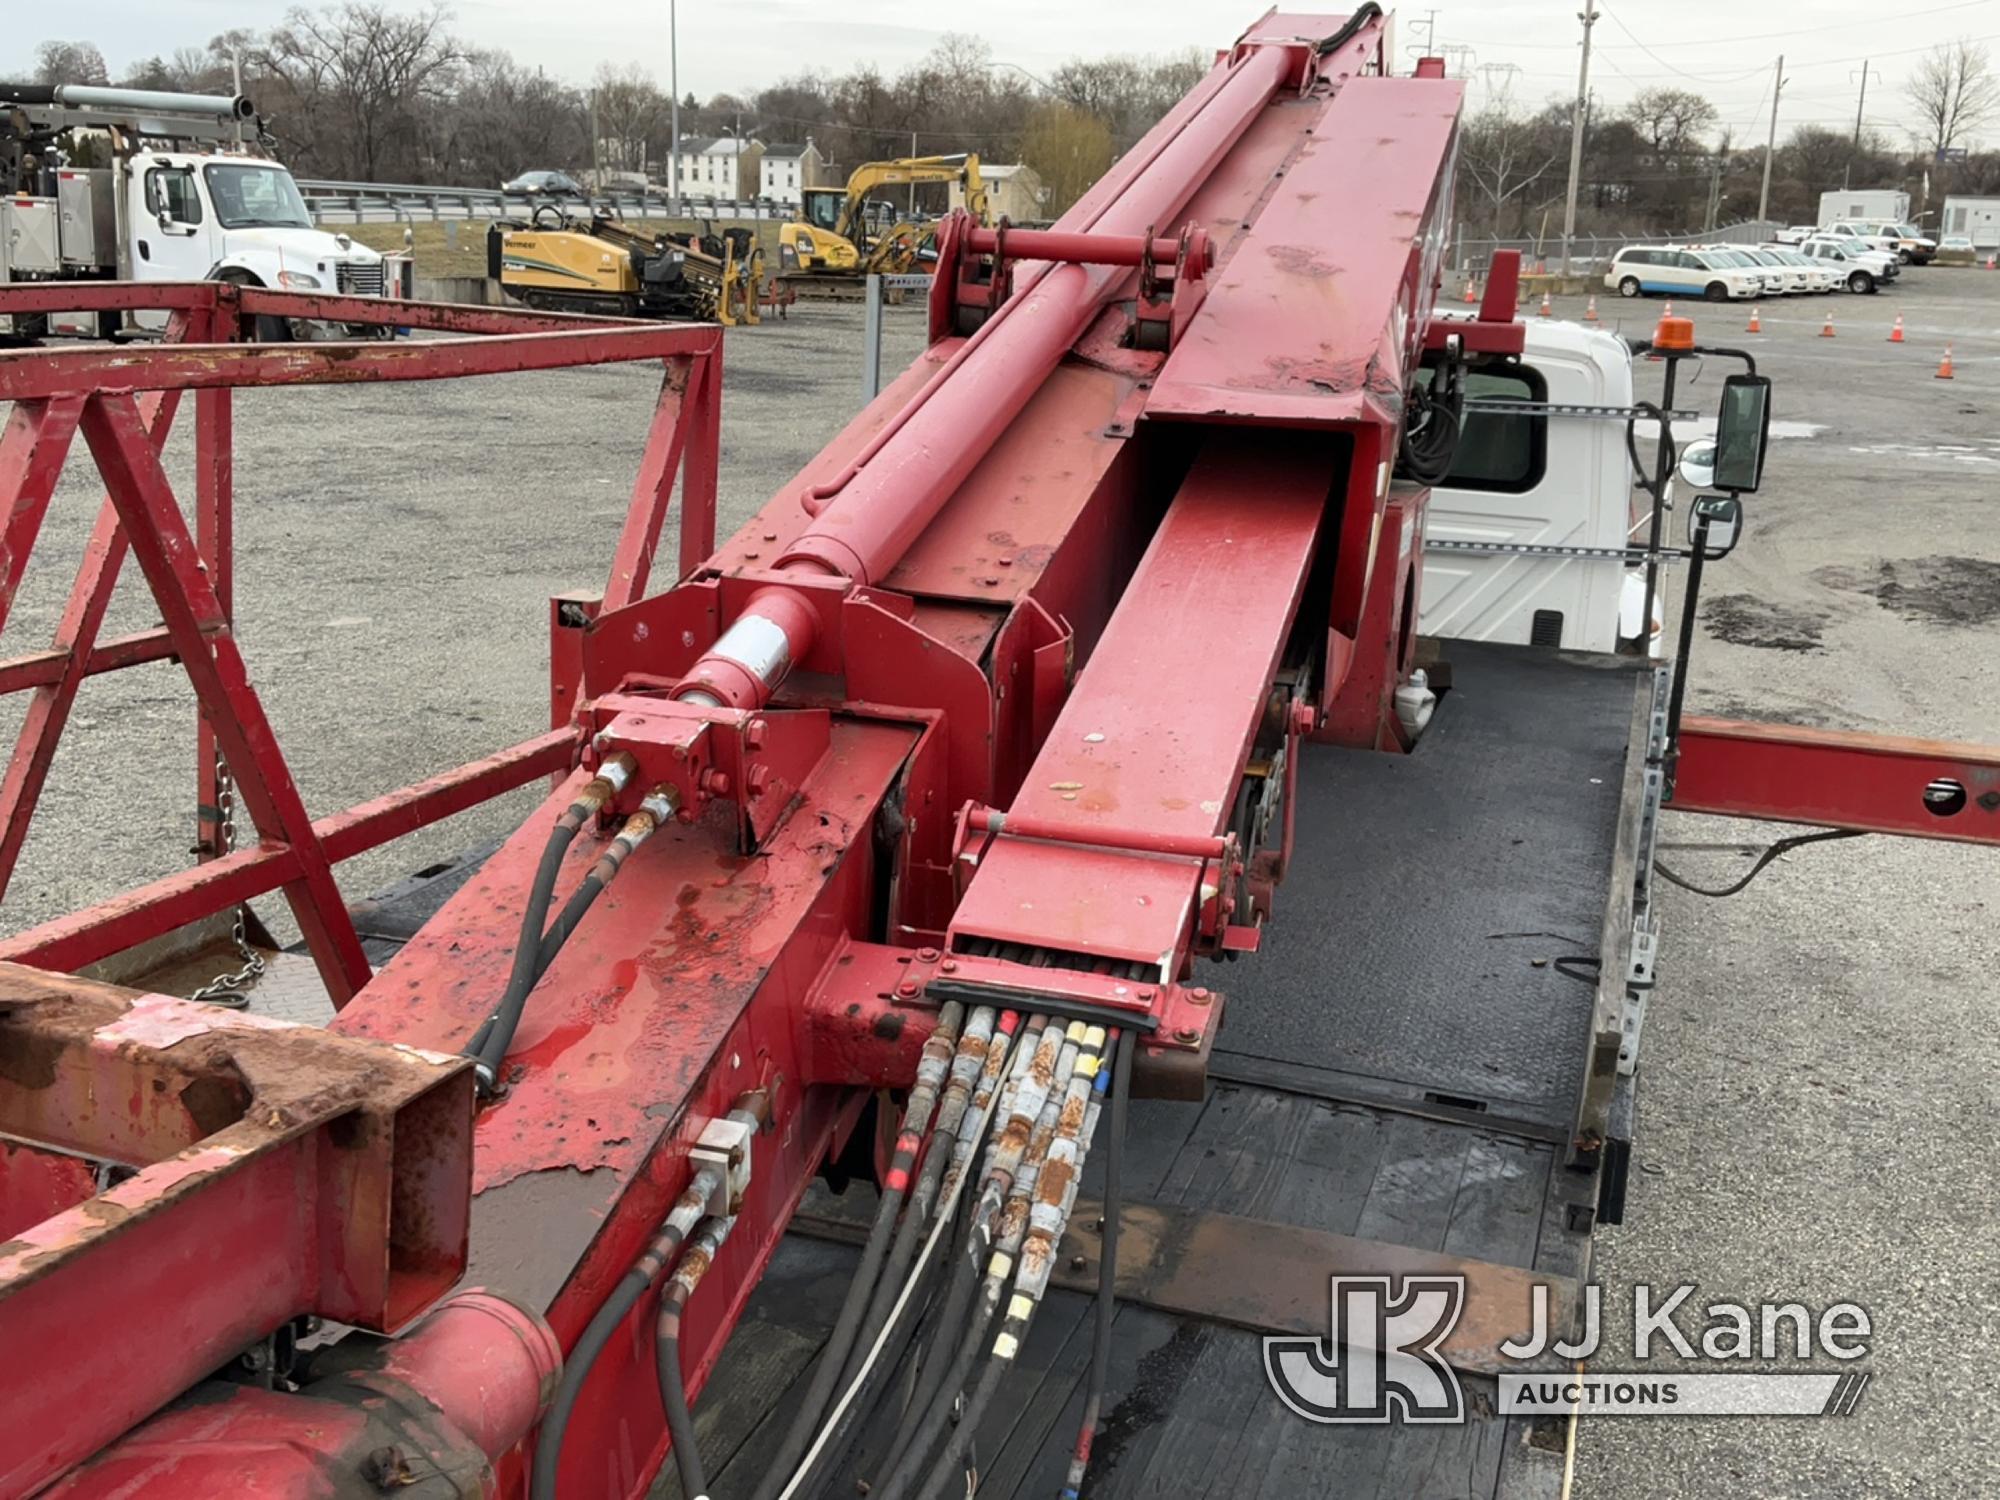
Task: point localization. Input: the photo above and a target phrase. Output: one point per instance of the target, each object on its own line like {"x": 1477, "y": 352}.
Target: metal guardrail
{"x": 399, "y": 201}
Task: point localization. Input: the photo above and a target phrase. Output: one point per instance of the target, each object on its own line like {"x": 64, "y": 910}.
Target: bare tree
{"x": 1672, "y": 121}
{"x": 70, "y": 62}
{"x": 1954, "y": 91}
{"x": 1501, "y": 154}
{"x": 356, "y": 84}
{"x": 1068, "y": 148}
{"x": 630, "y": 111}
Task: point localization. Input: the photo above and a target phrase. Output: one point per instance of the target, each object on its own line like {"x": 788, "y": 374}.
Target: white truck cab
{"x": 236, "y": 218}
{"x": 1526, "y": 541}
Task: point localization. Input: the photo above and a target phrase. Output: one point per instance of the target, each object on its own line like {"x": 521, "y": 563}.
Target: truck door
{"x": 172, "y": 232}
{"x": 1532, "y": 481}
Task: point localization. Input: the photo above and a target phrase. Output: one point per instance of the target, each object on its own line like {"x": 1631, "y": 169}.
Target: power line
{"x": 1760, "y": 36}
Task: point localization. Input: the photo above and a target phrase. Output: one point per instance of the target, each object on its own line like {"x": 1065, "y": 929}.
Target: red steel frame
{"x": 122, "y": 402}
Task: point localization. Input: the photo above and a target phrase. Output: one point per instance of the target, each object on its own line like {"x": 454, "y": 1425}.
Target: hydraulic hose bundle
{"x": 1033, "y": 1108}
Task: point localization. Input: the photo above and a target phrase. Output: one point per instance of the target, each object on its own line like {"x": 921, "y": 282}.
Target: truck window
{"x": 173, "y": 188}
{"x": 263, "y": 194}
{"x": 1500, "y": 451}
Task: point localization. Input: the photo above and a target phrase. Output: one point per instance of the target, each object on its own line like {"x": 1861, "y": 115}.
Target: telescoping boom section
{"x": 945, "y": 775}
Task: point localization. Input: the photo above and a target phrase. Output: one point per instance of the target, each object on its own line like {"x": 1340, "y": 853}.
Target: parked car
{"x": 1821, "y": 275}
{"x": 545, "y": 185}
{"x": 1796, "y": 234}
{"x": 1958, "y": 244}
{"x": 1777, "y": 279}
{"x": 1795, "y": 277}
{"x": 1668, "y": 271}
{"x": 1864, "y": 270}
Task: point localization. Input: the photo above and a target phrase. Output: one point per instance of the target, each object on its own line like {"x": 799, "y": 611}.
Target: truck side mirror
{"x": 1742, "y": 430}
{"x": 1697, "y": 465}
{"x": 1715, "y": 523}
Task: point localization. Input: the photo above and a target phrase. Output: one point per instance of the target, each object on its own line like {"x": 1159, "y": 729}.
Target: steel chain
{"x": 229, "y": 989}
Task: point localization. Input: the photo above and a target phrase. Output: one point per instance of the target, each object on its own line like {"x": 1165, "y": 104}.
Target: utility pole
{"x": 1588, "y": 15}
{"x": 1771, "y": 140}
{"x": 674, "y": 85}
{"x": 1847, "y": 177}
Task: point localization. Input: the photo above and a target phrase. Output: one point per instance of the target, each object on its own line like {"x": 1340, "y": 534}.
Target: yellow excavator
{"x": 564, "y": 263}
{"x": 840, "y": 235}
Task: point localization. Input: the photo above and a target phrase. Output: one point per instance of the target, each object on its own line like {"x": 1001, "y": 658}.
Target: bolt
{"x": 949, "y": 966}
{"x": 749, "y": 557}
{"x": 1198, "y": 995}
{"x": 1078, "y": 1262}
{"x": 760, "y": 780}
{"x": 1187, "y": 1035}
{"x": 770, "y": 536}
{"x": 715, "y": 783}
{"x": 907, "y": 989}
{"x": 753, "y": 734}
{"x": 927, "y": 955}
{"x": 1145, "y": 994}
{"x": 1005, "y": 562}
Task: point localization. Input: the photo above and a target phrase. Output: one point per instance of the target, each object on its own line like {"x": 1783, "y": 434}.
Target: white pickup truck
{"x": 216, "y": 211}
{"x": 1557, "y": 475}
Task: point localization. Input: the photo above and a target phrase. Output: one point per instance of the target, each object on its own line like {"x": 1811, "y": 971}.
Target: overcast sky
{"x": 1723, "y": 48}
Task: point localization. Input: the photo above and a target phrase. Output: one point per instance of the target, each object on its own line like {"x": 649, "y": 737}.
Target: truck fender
{"x": 240, "y": 268}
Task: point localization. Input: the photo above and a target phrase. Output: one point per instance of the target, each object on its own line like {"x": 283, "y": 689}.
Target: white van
{"x": 1523, "y": 484}
{"x": 1665, "y": 271}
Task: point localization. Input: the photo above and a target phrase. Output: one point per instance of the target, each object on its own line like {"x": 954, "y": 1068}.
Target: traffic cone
{"x": 1827, "y": 332}
{"x": 1546, "y": 309}
{"x": 1590, "y": 312}
{"x": 1896, "y": 333}
{"x": 1471, "y": 294}
{"x": 1667, "y": 308}
{"x": 1944, "y": 365}
{"x": 1756, "y": 320}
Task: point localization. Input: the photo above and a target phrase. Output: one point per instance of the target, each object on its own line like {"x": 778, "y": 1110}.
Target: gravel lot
{"x": 1820, "y": 1061}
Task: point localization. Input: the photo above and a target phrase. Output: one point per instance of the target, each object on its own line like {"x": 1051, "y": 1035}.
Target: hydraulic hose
{"x": 1044, "y": 1093}
{"x": 980, "y": 1052}
{"x": 1054, "y": 1197}
{"x": 687, "y": 1276}
{"x": 688, "y": 1210}
{"x": 535, "y": 950}
{"x": 931, "y": 1068}
{"x": 654, "y": 1259}
{"x": 1107, "y": 1266}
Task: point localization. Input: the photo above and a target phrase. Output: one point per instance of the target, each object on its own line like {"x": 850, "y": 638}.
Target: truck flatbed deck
{"x": 1399, "y": 1065}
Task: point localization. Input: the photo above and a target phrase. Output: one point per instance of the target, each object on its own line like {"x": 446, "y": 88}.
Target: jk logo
{"x": 1381, "y": 1360}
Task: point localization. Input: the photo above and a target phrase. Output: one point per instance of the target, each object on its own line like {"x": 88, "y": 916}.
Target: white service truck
{"x": 1531, "y": 538}
{"x": 187, "y": 195}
